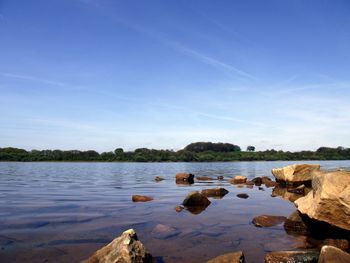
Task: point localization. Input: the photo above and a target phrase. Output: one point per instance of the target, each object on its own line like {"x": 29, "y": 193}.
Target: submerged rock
{"x": 158, "y": 178}
{"x": 204, "y": 178}
{"x": 292, "y": 257}
{"x": 331, "y": 254}
{"x": 124, "y": 249}
{"x": 184, "y": 178}
{"x": 268, "y": 220}
{"x": 161, "y": 231}
{"x": 330, "y": 199}
{"x": 243, "y": 195}
{"x": 233, "y": 257}
{"x": 141, "y": 198}
{"x": 215, "y": 192}
{"x": 239, "y": 179}
{"x": 294, "y": 225}
{"x": 196, "y": 199}
{"x": 295, "y": 174}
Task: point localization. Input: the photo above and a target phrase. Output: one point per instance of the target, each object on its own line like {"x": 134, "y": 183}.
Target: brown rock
{"x": 220, "y": 177}
{"x": 268, "y": 220}
{"x": 239, "y": 179}
{"x": 243, "y": 195}
{"x": 330, "y": 199}
{"x": 300, "y": 190}
{"x": 234, "y": 257}
{"x": 292, "y": 257}
{"x": 342, "y": 244}
{"x": 124, "y": 249}
{"x": 141, "y": 198}
{"x": 331, "y": 254}
{"x": 204, "y": 178}
{"x": 158, "y": 178}
{"x": 295, "y": 174}
{"x": 184, "y": 178}
{"x": 268, "y": 182}
{"x": 249, "y": 183}
{"x": 294, "y": 224}
{"x": 282, "y": 192}
{"x": 257, "y": 181}
{"x": 196, "y": 199}
{"x": 214, "y": 192}
{"x": 179, "y": 208}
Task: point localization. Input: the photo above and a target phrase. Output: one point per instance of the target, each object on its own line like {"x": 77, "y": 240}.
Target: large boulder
{"x": 124, "y": 249}
{"x": 233, "y": 257}
{"x": 184, "y": 178}
{"x": 329, "y": 201}
{"x": 292, "y": 257}
{"x": 295, "y": 174}
{"x": 331, "y": 254}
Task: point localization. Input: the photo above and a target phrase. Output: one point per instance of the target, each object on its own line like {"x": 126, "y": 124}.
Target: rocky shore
{"x": 321, "y": 198}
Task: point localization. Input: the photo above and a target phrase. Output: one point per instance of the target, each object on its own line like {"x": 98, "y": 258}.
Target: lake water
{"x": 63, "y": 212}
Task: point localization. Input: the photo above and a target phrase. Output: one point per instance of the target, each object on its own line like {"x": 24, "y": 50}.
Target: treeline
{"x": 195, "y": 152}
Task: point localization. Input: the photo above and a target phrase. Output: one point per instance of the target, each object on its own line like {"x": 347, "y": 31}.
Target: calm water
{"x": 63, "y": 212}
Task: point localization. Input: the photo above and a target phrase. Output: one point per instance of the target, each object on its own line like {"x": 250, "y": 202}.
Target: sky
{"x": 86, "y": 74}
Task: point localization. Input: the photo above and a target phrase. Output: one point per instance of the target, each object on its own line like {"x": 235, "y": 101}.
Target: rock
{"x": 184, "y": 178}
{"x": 295, "y": 174}
{"x": 244, "y": 196}
{"x": 179, "y": 208}
{"x": 196, "y": 199}
{"x": 249, "y": 183}
{"x": 234, "y": 257}
{"x": 161, "y": 231}
{"x": 239, "y": 179}
{"x": 268, "y": 220}
{"x": 282, "y": 192}
{"x": 141, "y": 198}
{"x": 342, "y": 244}
{"x": 294, "y": 224}
{"x": 204, "y": 178}
{"x": 124, "y": 249}
{"x": 261, "y": 188}
{"x": 257, "y": 181}
{"x": 220, "y": 177}
{"x": 214, "y": 192}
{"x": 300, "y": 190}
{"x": 158, "y": 178}
{"x": 330, "y": 199}
{"x": 268, "y": 182}
{"x": 331, "y": 254}
{"x": 292, "y": 257}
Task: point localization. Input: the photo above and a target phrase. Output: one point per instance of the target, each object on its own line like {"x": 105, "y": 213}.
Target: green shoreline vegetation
{"x": 194, "y": 152}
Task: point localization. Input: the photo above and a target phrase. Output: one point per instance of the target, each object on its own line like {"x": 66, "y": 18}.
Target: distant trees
{"x": 250, "y": 148}
{"x": 194, "y": 152}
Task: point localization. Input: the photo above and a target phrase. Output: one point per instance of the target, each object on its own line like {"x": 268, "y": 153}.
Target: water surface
{"x": 63, "y": 212}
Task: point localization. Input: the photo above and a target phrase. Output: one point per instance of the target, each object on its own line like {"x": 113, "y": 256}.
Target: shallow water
{"x": 63, "y": 212}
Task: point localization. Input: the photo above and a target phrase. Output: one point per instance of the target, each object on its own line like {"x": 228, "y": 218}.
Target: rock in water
{"x": 243, "y": 196}
{"x": 295, "y": 174}
{"x": 329, "y": 201}
{"x": 331, "y": 254}
{"x": 204, "y": 178}
{"x": 234, "y": 257}
{"x": 184, "y": 178}
{"x": 158, "y": 178}
{"x": 239, "y": 179}
{"x": 196, "y": 199}
{"x": 268, "y": 220}
{"x": 295, "y": 225}
{"x": 161, "y": 231}
{"x": 214, "y": 192}
{"x": 124, "y": 249}
{"x": 292, "y": 257}
{"x": 257, "y": 181}
{"x": 141, "y": 198}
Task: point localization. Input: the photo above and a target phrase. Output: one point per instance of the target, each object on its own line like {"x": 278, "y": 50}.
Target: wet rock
{"x": 300, "y": 190}
{"x": 239, "y": 179}
{"x": 204, "y": 178}
{"x": 161, "y": 231}
{"x": 268, "y": 182}
{"x": 214, "y": 192}
{"x": 249, "y": 183}
{"x": 268, "y": 220}
{"x": 292, "y": 257}
{"x": 257, "y": 181}
{"x": 196, "y": 199}
{"x": 330, "y": 199}
{"x": 243, "y": 195}
{"x": 282, "y": 192}
{"x": 179, "y": 208}
{"x": 295, "y": 174}
{"x": 261, "y": 188}
{"x": 124, "y": 249}
{"x": 342, "y": 244}
{"x": 220, "y": 177}
{"x": 141, "y": 198}
{"x": 234, "y": 257}
{"x": 184, "y": 178}
{"x": 158, "y": 178}
{"x": 331, "y": 254}
{"x": 294, "y": 225}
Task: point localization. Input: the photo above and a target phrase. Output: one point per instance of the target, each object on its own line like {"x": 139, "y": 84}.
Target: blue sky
{"x": 161, "y": 74}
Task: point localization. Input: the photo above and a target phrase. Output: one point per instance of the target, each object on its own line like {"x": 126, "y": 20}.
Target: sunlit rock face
{"x": 329, "y": 201}
{"x": 295, "y": 174}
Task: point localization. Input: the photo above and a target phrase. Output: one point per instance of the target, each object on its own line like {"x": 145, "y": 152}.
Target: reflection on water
{"x": 63, "y": 212}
